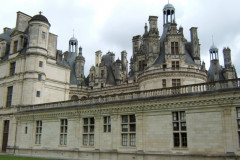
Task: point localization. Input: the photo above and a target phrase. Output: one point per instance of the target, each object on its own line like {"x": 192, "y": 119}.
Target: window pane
{"x": 124, "y": 128}
{"x": 65, "y": 139}
{"x": 105, "y": 128}
{"x": 85, "y": 120}
{"x": 184, "y": 139}
{"x": 105, "y": 120}
{"x": 91, "y": 120}
{"x": 91, "y": 140}
{"x": 238, "y": 112}
{"x": 176, "y": 139}
{"x": 132, "y": 139}
{"x": 124, "y": 119}
{"x": 183, "y": 126}
{"x": 238, "y": 121}
{"x": 85, "y": 128}
{"x": 124, "y": 139}
{"x": 175, "y": 126}
{"x": 109, "y": 128}
{"x": 85, "y": 139}
{"x": 109, "y": 120}
{"x": 183, "y": 115}
{"x": 132, "y": 127}
{"x": 91, "y": 128}
{"x": 175, "y": 116}
{"x": 132, "y": 118}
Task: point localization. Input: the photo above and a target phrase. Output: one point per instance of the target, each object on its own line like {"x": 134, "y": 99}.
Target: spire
{"x": 73, "y": 32}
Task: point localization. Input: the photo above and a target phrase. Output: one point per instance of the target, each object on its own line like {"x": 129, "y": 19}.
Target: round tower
{"x": 38, "y": 34}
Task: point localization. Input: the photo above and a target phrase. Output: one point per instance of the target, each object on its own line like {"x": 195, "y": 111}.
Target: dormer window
{"x": 174, "y": 48}
{"x": 15, "y": 46}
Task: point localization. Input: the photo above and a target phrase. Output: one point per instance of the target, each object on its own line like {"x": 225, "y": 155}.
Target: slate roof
{"x": 6, "y": 35}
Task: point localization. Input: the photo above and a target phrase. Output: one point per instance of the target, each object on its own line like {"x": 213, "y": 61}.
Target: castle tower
{"x": 72, "y": 50}
{"x": 38, "y": 34}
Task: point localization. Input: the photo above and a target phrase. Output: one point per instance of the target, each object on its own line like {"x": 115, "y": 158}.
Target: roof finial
{"x": 40, "y": 12}
{"x": 168, "y": 1}
{"x": 73, "y": 32}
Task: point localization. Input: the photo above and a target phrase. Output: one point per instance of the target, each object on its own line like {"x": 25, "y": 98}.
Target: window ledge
{"x": 128, "y": 147}
{"x": 83, "y": 146}
{"x": 180, "y": 148}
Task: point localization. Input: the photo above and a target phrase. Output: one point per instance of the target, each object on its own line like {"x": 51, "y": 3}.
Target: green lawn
{"x": 5, "y": 157}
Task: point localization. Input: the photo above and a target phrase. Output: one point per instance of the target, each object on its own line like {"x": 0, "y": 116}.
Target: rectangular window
{"x": 176, "y": 82}
{"x": 164, "y": 83}
{"x": 9, "y": 96}
{"x": 38, "y": 132}
{"x": 15, "y": 46}
{"x": 175, "y": 65}
{"x": 179, "y": 129}
{"x": 174, "y": 48}
{"x": 39, "y": 77}
{"x": 88, "y": 131}
{"x": 12, "y": 68}
{"x": 26, "y": 130}
{"x": 107, "y": 124}
{"x": 40, "y": 63}
{"x": 63, "y": 131}
{"x": 128, "y": 130}
{"x": 38, "y": 94}
{"x": 43, "y": 35}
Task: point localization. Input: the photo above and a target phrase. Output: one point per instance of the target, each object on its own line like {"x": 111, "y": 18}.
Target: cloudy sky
{"x": 109, "y": 25}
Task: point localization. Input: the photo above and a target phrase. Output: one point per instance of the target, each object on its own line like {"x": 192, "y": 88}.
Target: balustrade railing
{"x": 179, "y": 90}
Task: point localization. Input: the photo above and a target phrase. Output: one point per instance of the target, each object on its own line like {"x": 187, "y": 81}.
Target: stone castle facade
{"x": 163, "y": 104}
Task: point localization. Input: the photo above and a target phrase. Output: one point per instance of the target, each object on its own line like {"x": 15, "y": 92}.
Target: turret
{"x": 38, "y": 34}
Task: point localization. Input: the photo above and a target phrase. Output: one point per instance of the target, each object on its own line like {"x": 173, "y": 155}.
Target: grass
{"x": 7, "y": 157}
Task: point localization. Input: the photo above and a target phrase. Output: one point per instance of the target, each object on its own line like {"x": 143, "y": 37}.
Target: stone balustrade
{"x": 180, "y": 90}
